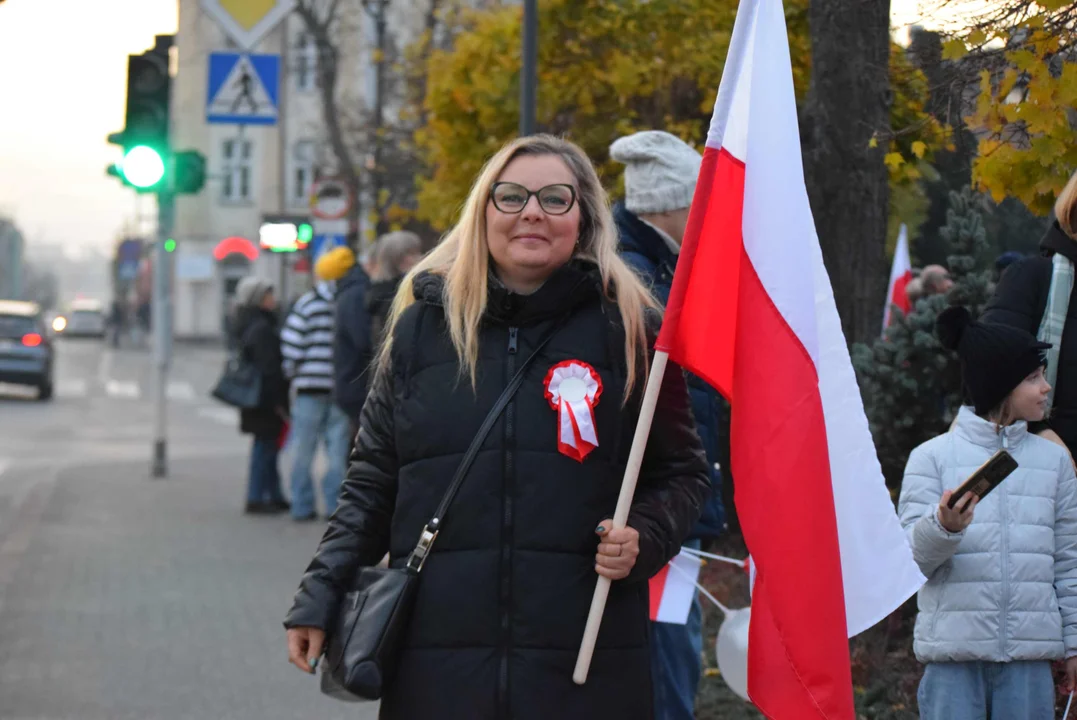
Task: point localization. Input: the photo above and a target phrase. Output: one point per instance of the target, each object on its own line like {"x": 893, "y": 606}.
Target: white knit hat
{"x": 251, "y": 290}
{"x": 660, "y": 171}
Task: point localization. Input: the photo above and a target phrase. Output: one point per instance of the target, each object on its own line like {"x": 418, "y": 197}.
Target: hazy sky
{"x": 63, "y": 75}
{"x": 63, "y": 78}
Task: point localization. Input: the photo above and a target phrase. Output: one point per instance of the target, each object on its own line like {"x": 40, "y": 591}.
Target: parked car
{"x": 26, "y": 352}
{"x": 86, "y": 318}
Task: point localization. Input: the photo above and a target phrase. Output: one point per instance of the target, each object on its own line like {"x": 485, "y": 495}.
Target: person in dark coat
{"x": 504, "y": 594}
{"x": 1021, "y": 300}
{"x": 353, "y": 348}
{"x": 395, "y": 254}
{"x": 258, "y": 341}
{"x": 660, "y": 179}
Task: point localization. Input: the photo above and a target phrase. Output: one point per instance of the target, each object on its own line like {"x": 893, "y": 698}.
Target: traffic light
{"x": 149, "y": 163}
{"x": 148, "y": 90}
{"x": 304, "y": 233}
{"x": 189, "y": 172}
{"x": 144, "y": 139}
{"x": 170, "y": 245}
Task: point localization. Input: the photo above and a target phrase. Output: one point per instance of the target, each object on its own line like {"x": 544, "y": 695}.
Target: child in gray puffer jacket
{"x": 1001, "y": 598}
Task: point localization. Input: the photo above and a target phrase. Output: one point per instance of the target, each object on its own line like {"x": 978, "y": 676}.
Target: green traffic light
{"x": 170, "y": 245}
{"x": 143, "y": 166}
{"x": 304, "y": 233}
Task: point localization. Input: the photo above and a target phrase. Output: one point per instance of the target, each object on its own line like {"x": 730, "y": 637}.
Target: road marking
{"x": 27, "y": 392}
{"x": 71, "y": 388}
{"x": 104, "y": 367}
{"x": 127, "y": 389}
{"x": 223, "y": 415}
{"x": 178, "y": 390}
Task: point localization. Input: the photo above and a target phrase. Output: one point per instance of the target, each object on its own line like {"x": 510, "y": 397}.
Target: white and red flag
{"x": 673, "y": 589}
{"x": 752, "y": 312}
{"x": 900, "y": 275}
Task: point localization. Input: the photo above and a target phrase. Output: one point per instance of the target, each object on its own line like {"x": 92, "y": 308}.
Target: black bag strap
{"x": 430, "y": 532}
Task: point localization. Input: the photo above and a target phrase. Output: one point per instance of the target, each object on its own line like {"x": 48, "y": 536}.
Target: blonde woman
{"x": 1035, "y": 295}
{"x": 505, "y": 592}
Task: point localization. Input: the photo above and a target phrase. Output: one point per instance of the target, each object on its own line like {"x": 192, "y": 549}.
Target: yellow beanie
{"x": 335, "y": 263}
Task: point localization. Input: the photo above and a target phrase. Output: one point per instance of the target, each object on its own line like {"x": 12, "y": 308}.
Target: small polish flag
{"x": 673, "y": 589}
{"x": 900, "y": 275}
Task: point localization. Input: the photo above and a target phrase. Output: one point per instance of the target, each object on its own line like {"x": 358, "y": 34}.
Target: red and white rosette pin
{"x": 573, "y": 388}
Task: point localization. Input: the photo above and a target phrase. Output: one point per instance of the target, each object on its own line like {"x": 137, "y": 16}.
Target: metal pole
{"x": 529, "y": 71}
{"x": 162, "y": 329}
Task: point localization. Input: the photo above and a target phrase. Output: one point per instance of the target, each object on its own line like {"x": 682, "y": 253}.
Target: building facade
{"x": 257, "y": 171}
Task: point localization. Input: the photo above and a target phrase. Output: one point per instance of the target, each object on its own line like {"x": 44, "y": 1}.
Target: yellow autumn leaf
{"x": 919, "y": 148}
{"x": 874, "y": 142}
{"x": 977, "y": 37}
{"x": 894, "y": 160}
{"x": 954, "y": 49}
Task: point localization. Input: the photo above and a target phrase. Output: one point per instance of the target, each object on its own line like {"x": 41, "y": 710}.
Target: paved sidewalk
{"x": 125, "y": 598}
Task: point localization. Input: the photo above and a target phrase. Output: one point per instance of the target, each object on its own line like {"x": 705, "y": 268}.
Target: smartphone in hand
{"x": 986, "y": 478}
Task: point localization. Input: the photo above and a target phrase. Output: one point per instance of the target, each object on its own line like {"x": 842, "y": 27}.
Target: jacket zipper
{"x": 1004, "y": 540}
{"x": 504, "y": 706}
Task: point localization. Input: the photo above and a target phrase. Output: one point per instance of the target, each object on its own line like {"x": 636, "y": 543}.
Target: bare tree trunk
{"x": 849, "y": 101}
{"x": 428, "y": 47}
{"x": 377, "y": 9}
{"x": 319, "y": 24}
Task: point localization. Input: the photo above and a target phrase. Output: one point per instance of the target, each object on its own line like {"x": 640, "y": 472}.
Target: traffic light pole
{"x": 162, "y": 330}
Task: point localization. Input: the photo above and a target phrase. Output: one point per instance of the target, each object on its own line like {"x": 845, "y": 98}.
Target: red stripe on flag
{"x": 899, "y": 297}
{"x": 694, "y": 304}
{"x": 725, "y": 328}
{"x": 655, "y": 587}
{"x": 798, "y": 659}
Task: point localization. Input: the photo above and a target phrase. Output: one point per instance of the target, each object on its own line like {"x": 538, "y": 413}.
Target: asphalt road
{"x": 123, "y": 596}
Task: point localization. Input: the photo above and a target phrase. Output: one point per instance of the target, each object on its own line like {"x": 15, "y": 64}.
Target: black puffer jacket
{"x": 1020, "y": 300}
{"x": 259, "y": 341}
{"x": 353, "y": 348}
{"x": 505, "y": 592}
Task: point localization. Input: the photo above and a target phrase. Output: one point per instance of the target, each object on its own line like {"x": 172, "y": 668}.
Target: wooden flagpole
{"x": 620, "y": 515}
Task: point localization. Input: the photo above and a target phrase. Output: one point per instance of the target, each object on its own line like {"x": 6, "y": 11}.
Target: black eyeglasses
{"x": 512, "y": 198}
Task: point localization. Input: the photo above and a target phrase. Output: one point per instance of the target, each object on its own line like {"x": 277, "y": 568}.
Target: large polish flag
{"x": 752, "y": 312}
{"x": 900, "y": 275}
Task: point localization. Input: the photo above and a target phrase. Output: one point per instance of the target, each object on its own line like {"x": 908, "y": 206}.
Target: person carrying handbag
{"x": 258, "y": 344}
{"x": 527, "y": 289}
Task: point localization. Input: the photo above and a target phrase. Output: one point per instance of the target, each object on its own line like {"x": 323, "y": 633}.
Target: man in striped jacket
{"x": 307, "y": 347}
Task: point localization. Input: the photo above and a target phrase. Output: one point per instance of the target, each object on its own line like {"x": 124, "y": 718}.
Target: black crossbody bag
{"x": 364, "y": 640}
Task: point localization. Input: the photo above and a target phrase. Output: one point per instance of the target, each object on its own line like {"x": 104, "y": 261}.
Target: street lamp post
{"x": 529, "y": 70}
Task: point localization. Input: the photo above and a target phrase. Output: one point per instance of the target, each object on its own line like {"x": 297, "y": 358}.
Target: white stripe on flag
{"x": 679, "y": 589}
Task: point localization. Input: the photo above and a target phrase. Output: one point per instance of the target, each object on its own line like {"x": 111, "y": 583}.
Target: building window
{"x": 303, "y": 171}
{"x": 306, "y": 62}
{"x": 237, "y": 155}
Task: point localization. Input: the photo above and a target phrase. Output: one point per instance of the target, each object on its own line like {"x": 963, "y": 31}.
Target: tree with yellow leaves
{"x": 608, "y": 69}
{"x": 1025, "y": 56}
{"x": 604, "y": 70}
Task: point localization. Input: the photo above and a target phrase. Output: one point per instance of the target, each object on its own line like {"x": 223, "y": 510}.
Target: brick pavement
{"x": 123, "y": 598}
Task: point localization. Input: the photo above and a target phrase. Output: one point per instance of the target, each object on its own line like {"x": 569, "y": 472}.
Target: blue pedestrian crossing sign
{"x": 321, "y": 244}
{"x": 243, "y": 89}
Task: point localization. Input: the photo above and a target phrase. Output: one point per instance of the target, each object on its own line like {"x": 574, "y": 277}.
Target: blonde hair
{"x": 391, "y": 249}
{"x": 462, "y": 259}
{"x": 1066, "y": 207}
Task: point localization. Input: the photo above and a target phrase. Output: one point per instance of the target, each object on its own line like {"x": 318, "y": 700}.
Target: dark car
{"x": 25, "y": 347}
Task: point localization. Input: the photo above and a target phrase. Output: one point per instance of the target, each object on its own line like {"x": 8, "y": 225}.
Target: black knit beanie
{"x": 995, "y": 358}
